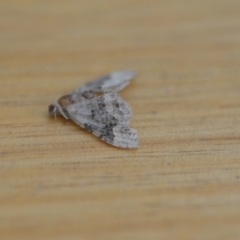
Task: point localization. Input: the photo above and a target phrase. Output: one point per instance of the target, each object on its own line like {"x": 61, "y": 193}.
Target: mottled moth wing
{"x": 112, "y": 82}
{"x": 106, "y": 116}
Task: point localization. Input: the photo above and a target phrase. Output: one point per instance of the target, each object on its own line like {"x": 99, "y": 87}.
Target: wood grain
{"x": 60, "y": 182}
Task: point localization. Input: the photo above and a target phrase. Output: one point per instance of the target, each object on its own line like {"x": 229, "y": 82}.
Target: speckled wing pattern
{"x": 107, "y": 115}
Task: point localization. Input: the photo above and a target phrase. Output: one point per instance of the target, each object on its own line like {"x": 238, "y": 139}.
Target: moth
{"x": 97, "y": 107}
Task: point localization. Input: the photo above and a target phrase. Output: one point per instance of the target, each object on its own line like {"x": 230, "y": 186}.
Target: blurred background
{"x": 59, "y": 38}
{"x": 59, "y": 182}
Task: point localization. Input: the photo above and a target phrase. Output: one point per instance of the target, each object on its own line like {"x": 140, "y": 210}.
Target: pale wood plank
{"x": 59, "y": 182}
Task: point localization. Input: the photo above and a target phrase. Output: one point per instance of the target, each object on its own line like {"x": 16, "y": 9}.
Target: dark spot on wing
{"x": 88, "y": 127}
{"x": 107, "y": 132}
{"x": 93, "y": 113}
{"x": 88, "y": 94}
{"x": 101, "y": 106}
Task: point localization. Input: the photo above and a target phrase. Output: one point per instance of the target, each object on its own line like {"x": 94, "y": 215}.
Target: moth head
{"x": 55, "y": 109}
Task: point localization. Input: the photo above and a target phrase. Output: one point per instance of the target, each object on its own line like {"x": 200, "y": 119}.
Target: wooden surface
{"x": 59, "y": 182}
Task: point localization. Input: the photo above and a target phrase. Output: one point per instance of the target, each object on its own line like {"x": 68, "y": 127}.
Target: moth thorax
{"x": 66, "y": 100}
